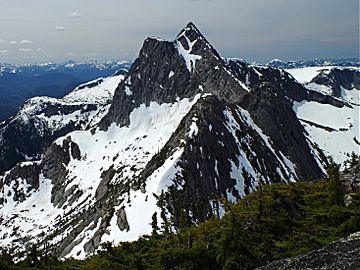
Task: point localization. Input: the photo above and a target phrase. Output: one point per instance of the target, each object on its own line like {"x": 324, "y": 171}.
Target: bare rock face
{"x": 293, "y": 90}
{"x": 340, "y": 255}
{"x": 122, "y": 220}
{"x": 272, "y": 111}
{"x": 227, "y": 142}
{"x": 25, "y": 178}
{"x": 350, "y": 180}
{"x": 163, "y": 74}
{"x": 103, "y": 186}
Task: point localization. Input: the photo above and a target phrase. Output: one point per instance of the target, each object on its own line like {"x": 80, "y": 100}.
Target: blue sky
{"x": 256, "y": 30}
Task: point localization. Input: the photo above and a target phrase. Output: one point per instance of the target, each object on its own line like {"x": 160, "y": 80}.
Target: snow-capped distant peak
{"x": 276, "y": 60}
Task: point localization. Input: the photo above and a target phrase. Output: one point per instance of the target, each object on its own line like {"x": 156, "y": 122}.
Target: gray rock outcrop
{"x": 339, "y": 255}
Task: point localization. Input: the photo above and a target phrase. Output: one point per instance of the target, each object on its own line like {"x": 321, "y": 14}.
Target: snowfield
{"x": 335, "y": 130}
{"x": 306, "y": 74}
{"x": 100, "y": 91}
{"x": 34, "y": 216}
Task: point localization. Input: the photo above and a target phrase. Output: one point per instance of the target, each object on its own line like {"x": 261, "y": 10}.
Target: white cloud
{"x": 25, "y": 41}
{"x": 71, "y": 54}
{"x": 76, "y": 15}
{"x": 2, "y": 40}
{"x": 4, "y": 51}
{"x": 13, "y": 42}
{"x": 39, "y": 49}
{"x": 25, "y": 50}
{"x": 61, "y": 28}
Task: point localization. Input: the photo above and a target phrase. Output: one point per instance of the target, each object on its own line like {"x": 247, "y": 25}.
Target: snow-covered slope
{"x": 42, "y": 119}
{"x": 100, "y": 91}
{"x": 304, "y": 75}
{"x": 341, "y": 82}
{"x": 334, "y": 129}
{"x": 101, "y": 180}
{"x": 124, "y": 151}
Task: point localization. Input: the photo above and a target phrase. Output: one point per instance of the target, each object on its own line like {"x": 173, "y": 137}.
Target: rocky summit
{"x": 182, "y": 129}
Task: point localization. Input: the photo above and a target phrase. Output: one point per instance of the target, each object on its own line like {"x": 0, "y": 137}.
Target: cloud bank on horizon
{"x": 257, "y": 30}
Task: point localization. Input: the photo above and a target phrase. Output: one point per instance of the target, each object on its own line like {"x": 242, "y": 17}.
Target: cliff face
{"x": 166, "y": 71}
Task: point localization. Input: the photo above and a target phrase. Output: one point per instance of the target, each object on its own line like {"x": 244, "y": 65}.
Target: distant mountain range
{"x": 348, "y": 62}
{"x": 20, "y": 82}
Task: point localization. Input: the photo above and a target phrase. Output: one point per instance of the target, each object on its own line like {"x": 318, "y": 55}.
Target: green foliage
{"x": 6, "y": 261}
{"x": 278, "y": 221}
{"x": 335, "y": 187}
{"x": 33, "y": 256}
{"x": 352, "y": 161}
{"x": 154, "y": 224}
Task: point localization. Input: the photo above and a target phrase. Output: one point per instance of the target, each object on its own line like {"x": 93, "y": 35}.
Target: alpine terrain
{"x": 164, "y": 143}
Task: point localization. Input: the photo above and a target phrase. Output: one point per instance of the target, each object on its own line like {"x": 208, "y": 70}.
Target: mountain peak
{"x": 191, "y": 31}
{"x": 190, "y": 27}
{"x": 192, "y": 40}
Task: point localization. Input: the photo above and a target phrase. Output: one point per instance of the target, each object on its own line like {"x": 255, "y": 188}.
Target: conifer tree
{"x": 335, "y": 186}
{"x": 154, "y": 224}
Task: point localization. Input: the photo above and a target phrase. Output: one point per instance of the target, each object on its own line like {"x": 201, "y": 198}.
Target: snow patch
{"x": 190, "y": 59}
{"x": 32, "y": 217}
{"x": 193, "y": 129}
{"x": 128, "y": 92}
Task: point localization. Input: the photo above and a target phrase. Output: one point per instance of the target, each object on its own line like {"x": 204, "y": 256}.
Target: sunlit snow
{"x": 131, "y": 148}
{"x": 101, "y": 93}
{"x": 344, "y": 122}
